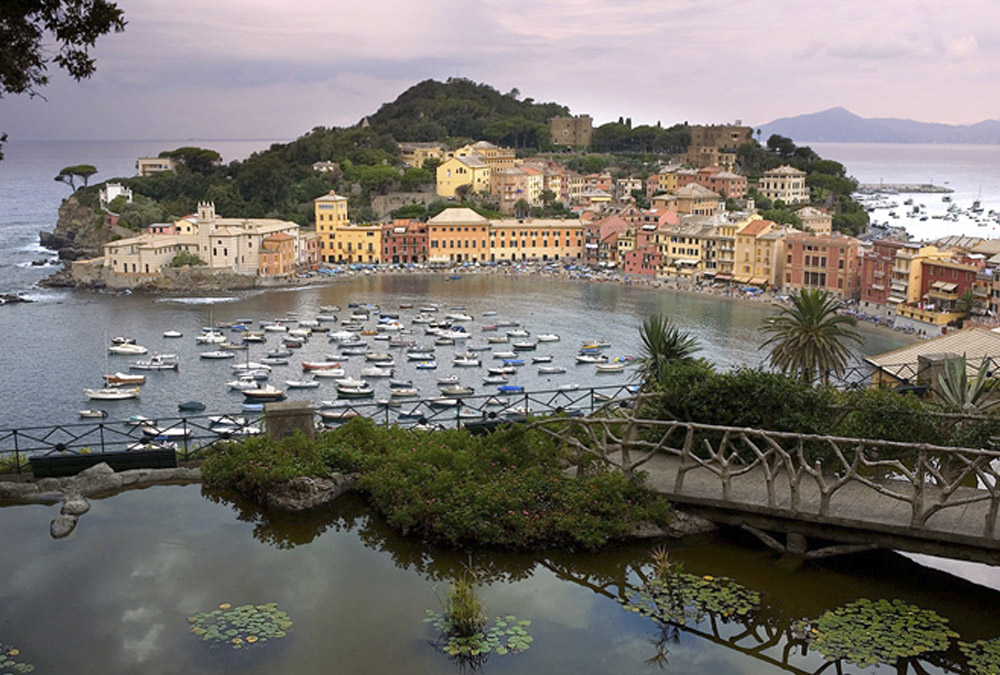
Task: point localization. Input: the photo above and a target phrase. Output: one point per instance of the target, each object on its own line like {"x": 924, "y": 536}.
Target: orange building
{"x": 277, "y": 255}
{"x": 458, "y": 235}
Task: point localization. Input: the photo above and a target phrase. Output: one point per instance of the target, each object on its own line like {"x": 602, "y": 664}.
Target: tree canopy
{"x": 69, "y": 174}
{"x": 71, "y": 26}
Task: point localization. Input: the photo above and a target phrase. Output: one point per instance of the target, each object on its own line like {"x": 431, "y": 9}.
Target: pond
{"x": 115, "y": 596}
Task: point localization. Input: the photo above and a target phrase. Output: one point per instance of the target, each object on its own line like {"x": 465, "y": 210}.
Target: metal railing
{"x": 190, "y": 436}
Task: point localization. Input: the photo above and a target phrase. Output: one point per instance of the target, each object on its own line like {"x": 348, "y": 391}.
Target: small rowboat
{"x": 93, "y": 413}
{"x": 124, "y": 378}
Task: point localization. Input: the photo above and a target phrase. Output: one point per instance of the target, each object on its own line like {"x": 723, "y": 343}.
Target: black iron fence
{"x": 191, "y": 436}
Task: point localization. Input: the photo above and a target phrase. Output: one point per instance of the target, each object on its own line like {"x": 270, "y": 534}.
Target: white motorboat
{"x": 572, "y": 386}
{"x": 172, "y": 334}
{"x": 504, "y": 355}
{"x": 422, "y": 318}
{"x": 547, "y": 337}
{"x": 243, "y": 383}
{"x": 543, "y": 358}
{"x": 156, "y": 362}
{"x": 404, "y": 392}
{"x": 443, "y": 402}
{"x": 350, "y": 382}
{"x": 112, "y": 393}
{"x": 365, "y": 390}
{"x": 426, "y": 365}
{"x": 453, "y": 334}
{"x": 420, "y": 356}
{"x": 517, "y": 332}
{"x": 610, "y": 367}
{"x": 551, "y": 370}
{"x": 495, "y": 379}
{"x": 329, "y": 309}
{"x": 376, "y": 371}
{"x": 591, "y": 358}
{"x": 212, "y": 337}
{"x": 153, "y": 431}
{"x": 264, "y": 394}
{"x": 466, "y": 362}
{"x": 458, "y": 316}
{"x": 524, "y": 346}
{"x": 91, "y": 413}
{"x": 341, "y": 336}
{"x": 275, "y": 327}
{"x": 127, "y": 348}
{"x": 497, "y": 339}
{"x": 449, "y": 379}
{"x": 502, "y": 370}
{"x": 378, "y": 357}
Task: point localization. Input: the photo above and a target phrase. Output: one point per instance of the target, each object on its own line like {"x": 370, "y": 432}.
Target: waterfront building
{"x": 457, "y": 235}
{"x": 641, "y": 256}
{"x": 404, "y": 241}
{"x": 600, "y": 240}
{"x": 278, "y": 255}
{"x": 415, "y": 154}
{"x": 575, "y": 131}
{"x": 726, "y": 230}
{"x": 356, "y": 243}
{"x": 815, "y": 220}
{"x": 826, "y": 262}
{"x": 685, "y": 248}
{"x": 757, "y": 248}
{"x": 147, "y": 166}
{"x": 310, "y": 252}
{"x": 330, "y": 212}
{"x": 785, "y": 183}
{"x": 535, "y": 239}
{"x": 232, "y": 244}
{"x": 876, "y": 281}
{"x": 465, "y": 170}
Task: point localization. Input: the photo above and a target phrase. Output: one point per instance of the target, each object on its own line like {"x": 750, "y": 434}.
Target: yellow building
{"x": 759, "y": 249}
{"x": 415, "y": 154}
{"x": 494, "y": 156}
{"x": 331, "y": 213}
{"x": 357, "y": 244}
{"x": 536, "y": 239}
{"x": 726, "y": 237}
{"x": 458, "y": 171}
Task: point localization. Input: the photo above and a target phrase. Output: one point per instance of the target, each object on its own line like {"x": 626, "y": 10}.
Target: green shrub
{"x": 507, "y": 489}
{"x": 186, "y": 258}
{"x": 252, "y": 465}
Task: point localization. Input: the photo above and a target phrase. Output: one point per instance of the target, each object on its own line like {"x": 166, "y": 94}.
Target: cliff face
{"x": 80, "y": 232}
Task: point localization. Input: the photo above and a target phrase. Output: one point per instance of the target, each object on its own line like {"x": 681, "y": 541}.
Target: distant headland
{"x": 839, "y": 125}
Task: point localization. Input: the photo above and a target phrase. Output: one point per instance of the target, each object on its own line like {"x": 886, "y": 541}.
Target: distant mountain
{"x": 838, "y": 125}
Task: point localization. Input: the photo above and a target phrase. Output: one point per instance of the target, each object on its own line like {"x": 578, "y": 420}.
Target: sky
{"x": 262, "y": 69}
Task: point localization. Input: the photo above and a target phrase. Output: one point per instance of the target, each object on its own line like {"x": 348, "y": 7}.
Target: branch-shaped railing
{"x": 799, "y": 474}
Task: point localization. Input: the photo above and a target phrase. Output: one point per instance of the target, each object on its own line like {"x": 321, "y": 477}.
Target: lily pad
{"x": 504, "y": 635}
{"x": 9, "y": 663}
{"x": 983, "y": 656}
{"x": 868, "y": 633}
{"x": 243, "y": 627}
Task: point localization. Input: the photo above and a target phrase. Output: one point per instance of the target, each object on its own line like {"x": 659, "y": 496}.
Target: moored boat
{"x": 364, "y": 390}
{"x": 112, "y": 393}
{"x": 91, "y": 413}
{"x": 264, "y": 394}
{"x": 156, "y": 362}
{"x": 124, "y": 378}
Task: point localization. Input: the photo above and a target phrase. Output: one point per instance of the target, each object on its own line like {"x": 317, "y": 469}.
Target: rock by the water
{"x": 62, "y": 526}
{"x": 12, "y": 299}
{"x": 95, "y": 480}
{"x": 302, "y": 493}
{"x": 74, "y": 506}
{"x": 685, "y": 524}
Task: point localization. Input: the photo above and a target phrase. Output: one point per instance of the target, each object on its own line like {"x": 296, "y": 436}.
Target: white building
{"x": 785, "y": 183}
{"x": 112, "y": 191}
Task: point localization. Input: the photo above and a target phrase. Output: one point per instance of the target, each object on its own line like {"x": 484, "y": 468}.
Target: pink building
{"x": 404, "y": 241}
{"x": 876, "y": 272}
{"x": 829, "y": 263}
{"x": 645, "y": 259}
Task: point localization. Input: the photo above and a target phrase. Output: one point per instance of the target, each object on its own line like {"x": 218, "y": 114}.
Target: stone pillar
{"x": 282, "y": 419}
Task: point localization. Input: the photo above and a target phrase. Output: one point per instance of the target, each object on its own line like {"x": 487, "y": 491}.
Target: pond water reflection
{"x": 115, "y": 596}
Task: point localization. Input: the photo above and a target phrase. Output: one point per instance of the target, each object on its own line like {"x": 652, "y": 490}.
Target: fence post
{"x": 104, "y": 448}
{"x": 17, "y": 453}
{"x": 184, "y": 426}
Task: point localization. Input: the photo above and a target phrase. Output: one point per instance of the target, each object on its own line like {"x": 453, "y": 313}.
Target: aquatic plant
{"x": 9, "y": 665}
{"x": 506, "y": 635}
{"x": 680, "y": 597}
{"x": 868, "y": 633}
{"x": 463, "y": 609}
{"x": 983, "y": 656}
{"x": 241, "y": 627}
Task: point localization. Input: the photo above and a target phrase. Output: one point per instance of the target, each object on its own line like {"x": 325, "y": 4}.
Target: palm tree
{"x": 810, "y": 338}
{"x": 663, "y": 344}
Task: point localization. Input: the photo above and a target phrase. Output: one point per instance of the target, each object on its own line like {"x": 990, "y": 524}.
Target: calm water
{"x": 55, "y": 348}
{"x": 114, "y": 597}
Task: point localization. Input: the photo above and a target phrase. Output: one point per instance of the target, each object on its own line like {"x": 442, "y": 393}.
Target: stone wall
{"x": 385, "y": 204}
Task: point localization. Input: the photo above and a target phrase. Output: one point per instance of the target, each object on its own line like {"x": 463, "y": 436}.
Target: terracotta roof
{"x": 756, "y": 227}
